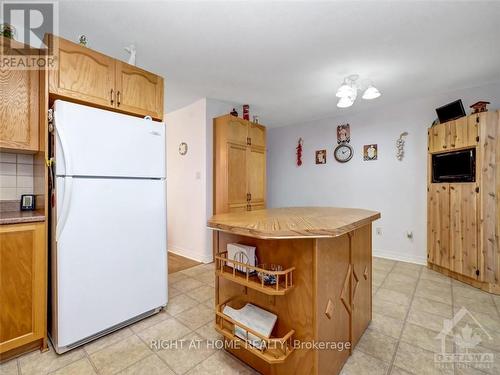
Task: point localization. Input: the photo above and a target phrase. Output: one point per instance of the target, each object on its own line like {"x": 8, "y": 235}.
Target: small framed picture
{"x": 370, "y": 152}
{"x": 27, "y": 202}
{"x": 321, "y": 157}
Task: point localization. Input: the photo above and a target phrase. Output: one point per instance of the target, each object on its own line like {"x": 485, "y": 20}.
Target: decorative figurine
{"x": 255, "y": 119}
{"x": 234, "y": 112}
{"x": 479, "y": 107}
{"x": 246, "y": 112}
{"x": 132, "y": 51}
{"x": 82, "y": 40}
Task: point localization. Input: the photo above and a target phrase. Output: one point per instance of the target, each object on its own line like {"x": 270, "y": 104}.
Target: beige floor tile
{"x": 206, "y": 278}
{"x": 390, "y": 309}
{"x": 192, "y": 350}
{"x": 180, "y": 303}
{"x": 414, "y": 274}
{"x": 434, "y": 276}
{"x": 202, "y": 293}
{"x": 476, "y": 306}
{"x": 433, "y": 285}
{"x": 80, "y": 367}
{"x": 208, "y": 332}
{"x": 385, "y": 324}
{"x": 173, "y": 291}
{"x": 493, "y": 343}
{"x": 176, "y": 277}
{"x": 9, "y": 368}
{"x": 488, "y": 322}
{"x": 210, "y": 303}
{"x": 360, "y": 363}
{"x": 421, "y": 337}
{"x": 426, "y": 320}
{"x": 120, "y": 355}
{"x": 37, "y": 363}
{"x": 432, "y": 307}
{"x": 221, "y": 363}
{"x": 401, "y": 277}
{"x": 197, "y": 270}
{"x": 378, "y": 279}
{"x": 439, "y": 295}
{"x": 392, "y": 296}
{"x": 383, "y": 263}
{"x": 150, "y": 321}
{"x": 399, "y": 286}
{"x": 168, "y": 329}
{"x": 398, "y": 371}
{"x": 187, "y": 284}
{"x": 196, "y": 316}
{"x": 377, "y": 345}
{"x": 471, "y": 293}
{"x": 107, "y": 340}
{"x": 417, "y": 360}
{"x": 151, "y": 365}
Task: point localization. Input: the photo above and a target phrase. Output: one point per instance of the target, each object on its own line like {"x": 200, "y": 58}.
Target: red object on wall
{"x": 299, "y": 152}
{"x": 246, "y": 112}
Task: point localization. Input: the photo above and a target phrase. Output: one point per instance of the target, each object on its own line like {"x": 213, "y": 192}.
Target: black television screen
{"x": 450, "y": 111}
{"x": 456, "y": 166}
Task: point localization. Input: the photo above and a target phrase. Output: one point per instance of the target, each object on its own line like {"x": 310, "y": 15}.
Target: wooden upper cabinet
{"x": 19, "y": 109}
{"x": 89, "y": 77}
{"x": 237, "y": 130}
{"x": 138, "y": 91}
{"x": 23, "y": 285}
{"x": 237, "y": 177}
{"x": 82, "y": 74}
{"x": 438, "y": 138}
{"x": 257, "y": 135}
{"x": 464, "y": 229}
{"x": 256, "y": 172}
{"x": 438, "y": 224}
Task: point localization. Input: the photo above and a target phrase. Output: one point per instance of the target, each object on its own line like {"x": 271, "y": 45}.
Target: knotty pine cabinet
{"x": 239, "y": 165}
{"x": 23, "y": 287}
{"x": 456, "y": 134}
{"x": 89, "y": 77}
{"x": 463, "y": 219}
{"x": 19, "y": 109}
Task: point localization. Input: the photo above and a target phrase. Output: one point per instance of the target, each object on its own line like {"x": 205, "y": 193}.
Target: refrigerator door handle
{"x": 65, "y": 207}
{"x": 66, "y": 155}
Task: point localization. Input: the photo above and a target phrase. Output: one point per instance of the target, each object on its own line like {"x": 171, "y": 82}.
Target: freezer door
{"x": 95, "y": 142}
{"x": 111, "y": 253}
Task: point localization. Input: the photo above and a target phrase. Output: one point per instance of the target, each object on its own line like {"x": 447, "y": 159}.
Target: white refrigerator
{"x": 109, "y": 244}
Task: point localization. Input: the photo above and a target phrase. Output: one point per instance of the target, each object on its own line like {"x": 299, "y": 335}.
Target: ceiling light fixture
{"x": 348, "y": 92}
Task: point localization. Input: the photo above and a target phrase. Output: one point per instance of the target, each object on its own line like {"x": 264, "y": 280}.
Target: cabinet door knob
{"x": 118, "y": 96}
{"x": 112, "y": 96}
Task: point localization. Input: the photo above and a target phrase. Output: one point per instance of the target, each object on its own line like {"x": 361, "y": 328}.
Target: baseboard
{"x": 205, "y": 258}
{"x": 393, "y": 255}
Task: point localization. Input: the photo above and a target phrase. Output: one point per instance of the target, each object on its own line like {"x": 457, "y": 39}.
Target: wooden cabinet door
{"x": 463, "y": 133}
{"x": 138, "y": 91}
{"x": 236, "y": 177}
{"x": 256, "y": 174}
{"x": 439, "y": 138}
{"x": 361, "y": 258}
{"x": 23, "y": 286}
{"x": 236, "y": 130}
{"x": 464, "y": 229}
{"x": 82, "y": 74}
{"x": 19, "y": 109}
{"x": 438, "y": 225}
{"x": 257, "y": 135}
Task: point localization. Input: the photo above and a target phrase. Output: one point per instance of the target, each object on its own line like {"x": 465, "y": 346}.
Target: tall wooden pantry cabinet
{"x": 239, "y": 165}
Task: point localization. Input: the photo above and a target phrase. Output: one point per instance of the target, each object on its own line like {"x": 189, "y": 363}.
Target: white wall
{"x": 395, "y": 188}
{"x": 190, "y": 177}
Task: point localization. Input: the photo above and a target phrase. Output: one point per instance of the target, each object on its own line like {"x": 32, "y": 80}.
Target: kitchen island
{"x": 322, "y": 295}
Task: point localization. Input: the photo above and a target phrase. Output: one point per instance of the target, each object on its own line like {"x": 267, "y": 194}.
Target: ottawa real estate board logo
{"x": 24, "y": 27}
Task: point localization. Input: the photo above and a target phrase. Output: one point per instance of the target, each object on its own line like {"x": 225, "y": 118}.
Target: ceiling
{"x": 286, "y": 59}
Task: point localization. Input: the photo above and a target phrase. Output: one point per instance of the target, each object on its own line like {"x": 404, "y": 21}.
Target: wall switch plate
{"x": 378, "y": 230}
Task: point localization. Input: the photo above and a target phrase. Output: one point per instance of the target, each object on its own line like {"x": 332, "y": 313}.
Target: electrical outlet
{"x": 378, "y": 230}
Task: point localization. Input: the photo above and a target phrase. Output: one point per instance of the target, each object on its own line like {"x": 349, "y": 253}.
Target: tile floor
{"x": 409, "y": 305}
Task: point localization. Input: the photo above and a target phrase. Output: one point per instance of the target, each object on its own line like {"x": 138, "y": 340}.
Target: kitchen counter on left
{"x": 17, "y": 217}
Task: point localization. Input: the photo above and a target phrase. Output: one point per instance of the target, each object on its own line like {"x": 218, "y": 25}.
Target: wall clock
{"x": 343, "y": 152}
{"x": 183, "y": 148}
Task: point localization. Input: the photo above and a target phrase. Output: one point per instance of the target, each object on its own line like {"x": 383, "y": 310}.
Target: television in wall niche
{"x": 455, "y": 166}
{"x": 450, "y": 111}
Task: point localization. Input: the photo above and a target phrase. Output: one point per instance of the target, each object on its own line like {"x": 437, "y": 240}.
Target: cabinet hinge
{"x": 249, "y": 141}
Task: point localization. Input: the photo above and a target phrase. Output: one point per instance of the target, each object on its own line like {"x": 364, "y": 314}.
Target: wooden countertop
{"x": 293, "y": 222}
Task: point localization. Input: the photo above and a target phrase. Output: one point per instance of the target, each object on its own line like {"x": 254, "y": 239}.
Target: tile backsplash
{"x": 16, "y": 175}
